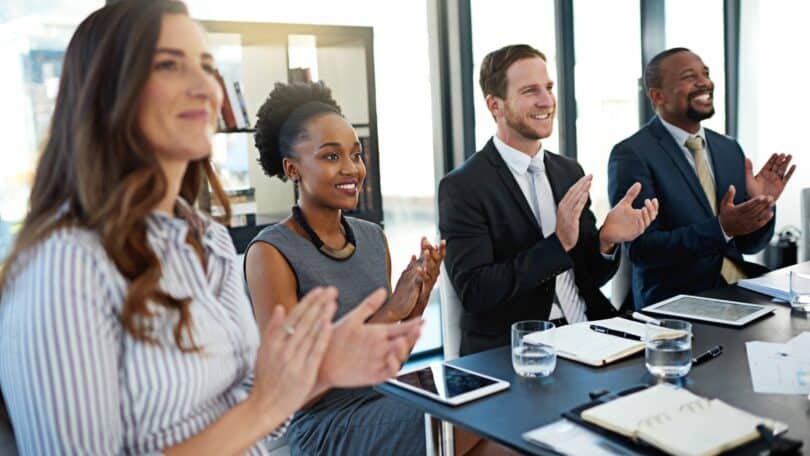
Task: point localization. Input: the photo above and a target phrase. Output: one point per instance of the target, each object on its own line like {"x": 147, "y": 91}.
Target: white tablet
{"x": 710, "y": 309}
{"x": 449, "y": 384}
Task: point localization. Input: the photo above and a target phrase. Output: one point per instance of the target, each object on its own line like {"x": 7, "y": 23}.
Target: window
{"x": 607, "y": 78}
{"x": 698, "y": 25}
{"x": 772, "y": 94}
{"x": 497, "y": 24}
{"x": 405, "y": 127}
{"x": 34, "y": 36}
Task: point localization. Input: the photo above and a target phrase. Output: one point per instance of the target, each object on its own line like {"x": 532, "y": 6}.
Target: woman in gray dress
{"x": 301, "y": 135}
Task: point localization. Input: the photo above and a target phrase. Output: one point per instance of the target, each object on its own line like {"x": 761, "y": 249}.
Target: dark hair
{"x": 97, "y": 170}
{"x": 652, "y": 72}
{"x": 493, "y": 68}
{"x": 282, "y": 118}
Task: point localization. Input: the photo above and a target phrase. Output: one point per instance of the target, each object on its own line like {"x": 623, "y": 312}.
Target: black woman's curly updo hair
{"x": 282, "y": 118}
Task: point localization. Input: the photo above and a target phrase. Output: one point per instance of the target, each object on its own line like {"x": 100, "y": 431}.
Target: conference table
{"x": 530, "y": 403}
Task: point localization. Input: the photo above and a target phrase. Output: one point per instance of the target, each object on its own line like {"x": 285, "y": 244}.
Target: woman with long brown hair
{"x": 124, "y": 326}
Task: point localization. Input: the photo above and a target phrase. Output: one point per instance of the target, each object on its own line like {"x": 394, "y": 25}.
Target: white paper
{"x": 776, "y": 284}
{"x": 566, "y": 437}
{"x": 780, "y": 368}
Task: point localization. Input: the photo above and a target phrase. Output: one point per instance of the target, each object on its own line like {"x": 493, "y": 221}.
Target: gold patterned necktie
{"x": 730, "y": 271}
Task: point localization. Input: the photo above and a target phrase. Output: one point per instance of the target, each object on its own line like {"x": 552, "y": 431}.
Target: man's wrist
{"x": 607, "y": 247}
{"x": 726, "y": 236}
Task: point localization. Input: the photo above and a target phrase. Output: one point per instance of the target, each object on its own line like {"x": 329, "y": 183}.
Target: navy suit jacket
{"x": 683, "y": 249}
{"x": 498, "y": 261}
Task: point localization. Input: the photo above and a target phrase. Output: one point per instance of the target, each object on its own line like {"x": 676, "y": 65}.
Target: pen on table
{"x": 614, "y": 332}
{"x": 646, "y": 319}
{"x": 711, "y": 353}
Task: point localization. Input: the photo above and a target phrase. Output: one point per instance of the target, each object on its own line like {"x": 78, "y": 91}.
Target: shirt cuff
{"x": 611, "y": 256}
{"x": 725, "y": 236}
{"x": 280, "y": 431}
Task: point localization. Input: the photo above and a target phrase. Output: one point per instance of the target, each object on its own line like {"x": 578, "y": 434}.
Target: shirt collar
{"x": 517, "y": 161}
{"x": 680, "y": 135}
{"x": 175, "y": 228}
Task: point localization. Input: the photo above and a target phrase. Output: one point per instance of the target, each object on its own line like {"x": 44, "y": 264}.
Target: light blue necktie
{"x": 565, "y": 289}
{"x": 534, "y": 172}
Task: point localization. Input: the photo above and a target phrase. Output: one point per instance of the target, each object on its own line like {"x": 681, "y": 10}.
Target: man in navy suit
{"x": 713, "y": 208}
{"x": 522, "y": 243}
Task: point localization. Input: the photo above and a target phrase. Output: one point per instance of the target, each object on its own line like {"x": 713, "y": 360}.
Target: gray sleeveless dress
{"x": 357, "y": 421}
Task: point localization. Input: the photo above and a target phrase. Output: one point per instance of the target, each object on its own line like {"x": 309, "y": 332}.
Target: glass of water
{"x": 800, "y": 291}
{"x": 668, "y": 351}
{"x": 533, "y": 353}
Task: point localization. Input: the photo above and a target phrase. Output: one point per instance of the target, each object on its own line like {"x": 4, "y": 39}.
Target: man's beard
{"x": 694, "y": 114}
{"x": 519, "y": 125}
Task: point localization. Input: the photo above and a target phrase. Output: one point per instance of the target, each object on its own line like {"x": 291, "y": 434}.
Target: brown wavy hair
{"x": 96, "y": 170}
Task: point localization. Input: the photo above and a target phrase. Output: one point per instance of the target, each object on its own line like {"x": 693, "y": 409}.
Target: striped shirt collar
{"x": 167, "y": 228}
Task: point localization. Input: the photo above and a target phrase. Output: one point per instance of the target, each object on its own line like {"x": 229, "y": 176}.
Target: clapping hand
{"x": 747, "y": 217}
{"x": 366, "y": 353}
{"x": 624, "y": 223}
{"x": 406, "y": 293}
{"x": 771, "y": 179}
{"x": 569, "y": 210}
{"x": 291, "y": 350}
{"x": 429, "y": 264}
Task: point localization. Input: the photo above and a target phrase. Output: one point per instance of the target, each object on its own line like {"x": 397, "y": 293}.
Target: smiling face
{"x": 686, "y": 95}
{"x": 328, "y": 163}
{"x": 179, "y": 105}
{"x": 526, "y": 114}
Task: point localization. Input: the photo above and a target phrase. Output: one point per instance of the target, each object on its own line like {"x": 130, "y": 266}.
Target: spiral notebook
{"x": 679, "y": 422}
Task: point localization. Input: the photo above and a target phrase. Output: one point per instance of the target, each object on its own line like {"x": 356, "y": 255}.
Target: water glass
{"x": 800, "y": 291}
{"x": 534, "y": 356}
{"x": 668, "y": 351}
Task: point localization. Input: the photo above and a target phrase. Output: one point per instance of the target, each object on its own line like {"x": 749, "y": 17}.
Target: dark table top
{"x": 530, "y": 403}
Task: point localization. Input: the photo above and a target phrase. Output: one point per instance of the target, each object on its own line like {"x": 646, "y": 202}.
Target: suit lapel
{"x": 509, "y": 182}
{"x": 675, "y": 154}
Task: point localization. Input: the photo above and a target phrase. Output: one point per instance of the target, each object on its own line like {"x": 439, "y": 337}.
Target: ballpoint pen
{"x": 614, "y": 332}
{"x": 711, "y": 353}
{"x": 646, "y": 319}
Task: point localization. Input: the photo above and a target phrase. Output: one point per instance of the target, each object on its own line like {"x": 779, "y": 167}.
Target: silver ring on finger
{"x": 288, "y": 329}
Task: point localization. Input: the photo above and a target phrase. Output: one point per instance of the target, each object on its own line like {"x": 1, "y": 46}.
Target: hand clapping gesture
{"x": 771, "y": 179}
{"x": 569, "y": 210}
{"x": 291, "y": 351}
{"x": 412, "y": 291}
{"x": 624, "y": 223}
{"x": 363, "y": 353}
{"x": 429, "y": 265}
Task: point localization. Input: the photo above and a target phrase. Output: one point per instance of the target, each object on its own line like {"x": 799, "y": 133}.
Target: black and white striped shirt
{"x": 74, "y": 379}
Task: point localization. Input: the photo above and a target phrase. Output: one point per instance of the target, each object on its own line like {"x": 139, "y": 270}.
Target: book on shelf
{"x": 365, "y": 201}
{"x": 240, "y": 99}
{"x": 227, "y": 109}
{"x": 678, "y": 421}
{"x": 299, "y": 75}
{"x": 578, "y": 342}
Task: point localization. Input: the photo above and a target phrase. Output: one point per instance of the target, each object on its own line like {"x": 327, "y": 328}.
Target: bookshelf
{"x": 257, "y": 55}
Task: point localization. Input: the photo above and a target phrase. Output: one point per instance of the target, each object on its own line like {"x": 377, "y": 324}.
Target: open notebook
{"x": 578, "y": 342}
{"x": 679, "y": 422}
